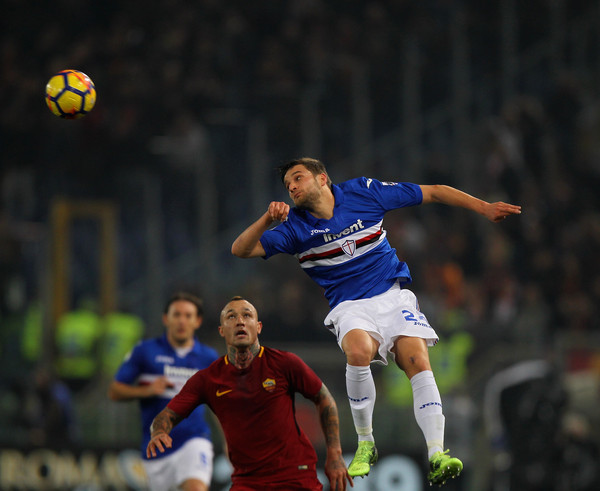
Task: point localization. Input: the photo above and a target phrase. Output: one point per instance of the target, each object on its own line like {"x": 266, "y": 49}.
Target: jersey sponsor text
{"x": 355, "y": 227}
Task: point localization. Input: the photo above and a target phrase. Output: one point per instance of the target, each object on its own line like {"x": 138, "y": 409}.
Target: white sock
{"x": 361, "y": 394}
{"x": 428, "y": 410}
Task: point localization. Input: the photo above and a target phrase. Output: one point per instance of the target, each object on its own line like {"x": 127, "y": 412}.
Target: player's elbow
{"x": 432, "y": 193}
{"x": 239, "y": 250}
{"x": 113, "y": 393}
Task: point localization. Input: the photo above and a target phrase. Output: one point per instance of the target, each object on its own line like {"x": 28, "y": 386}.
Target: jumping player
{"x": 251, "y": 391}
{"x": 153, "y": 373}
{"x": 336, "y": 232}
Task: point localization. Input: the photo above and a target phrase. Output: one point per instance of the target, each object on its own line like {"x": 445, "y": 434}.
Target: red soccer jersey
{"x": 255, "y": 407}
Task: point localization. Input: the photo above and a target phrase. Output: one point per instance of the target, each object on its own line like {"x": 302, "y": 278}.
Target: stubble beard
{"x": 308, "y": 201}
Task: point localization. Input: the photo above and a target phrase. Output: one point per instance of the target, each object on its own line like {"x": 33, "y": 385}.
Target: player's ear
{"x": 258, "y": 327}
{"x": 221, "y": 331}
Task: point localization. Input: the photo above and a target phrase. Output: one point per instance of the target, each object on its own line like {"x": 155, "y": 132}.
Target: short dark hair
{"x": 188, "y": 297}
{"x": 315, "y": 166}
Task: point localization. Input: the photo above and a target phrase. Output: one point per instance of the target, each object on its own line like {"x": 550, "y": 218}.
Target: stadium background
{"x": 197, "y": 103}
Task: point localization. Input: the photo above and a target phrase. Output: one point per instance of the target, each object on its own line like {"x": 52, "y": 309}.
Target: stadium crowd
{"x": 199, "y": 74}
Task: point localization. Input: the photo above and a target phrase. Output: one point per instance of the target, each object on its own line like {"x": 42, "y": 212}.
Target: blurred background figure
{"x": 48, "y": 410}
{"x": 153, "y": 373}
{"x": 78, "y": 335}
{"x": 121, "y": 331}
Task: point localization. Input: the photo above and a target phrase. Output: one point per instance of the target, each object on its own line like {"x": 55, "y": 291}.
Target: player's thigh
{"x": 194, "y": 462}
{"x": 160, "y": 473}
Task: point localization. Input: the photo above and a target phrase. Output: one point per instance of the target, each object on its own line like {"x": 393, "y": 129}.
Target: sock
{"x": 361, "y": 394}
{"x": 428, "y": 410}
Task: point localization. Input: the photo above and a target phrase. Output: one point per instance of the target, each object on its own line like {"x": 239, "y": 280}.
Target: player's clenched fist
{"x": 279, "y": 210}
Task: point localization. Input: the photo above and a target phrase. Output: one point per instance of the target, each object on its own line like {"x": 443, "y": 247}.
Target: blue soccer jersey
{"x": 153, "y": 358}
{"x": 349, "y": 254}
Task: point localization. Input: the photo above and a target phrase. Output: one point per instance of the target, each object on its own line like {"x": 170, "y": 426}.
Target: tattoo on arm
{"x": 164, "y": 421}
{"x": 328, "y": 413}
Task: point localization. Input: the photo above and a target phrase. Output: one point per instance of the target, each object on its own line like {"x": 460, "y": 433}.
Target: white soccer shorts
{"x": 385, "y": 317}
{"x": 194, "y": 460}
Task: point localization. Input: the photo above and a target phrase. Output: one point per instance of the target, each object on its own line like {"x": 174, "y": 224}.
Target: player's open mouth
{"x": 241, "y": 332}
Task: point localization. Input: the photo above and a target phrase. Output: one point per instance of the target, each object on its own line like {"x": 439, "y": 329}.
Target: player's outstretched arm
{"x": 448, "y": 195}
{"x": 335, "y": 467}
{"x": 248, "y": 242}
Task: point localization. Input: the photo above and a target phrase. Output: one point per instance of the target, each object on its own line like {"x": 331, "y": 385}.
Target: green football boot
{"x": 366, "y": 456}
{"x": 442, "y": 467}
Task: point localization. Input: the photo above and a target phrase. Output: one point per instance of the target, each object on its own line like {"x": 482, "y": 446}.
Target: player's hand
{"x": 498, "y": 211}
{"x": 278, "y": 211}
{"x": 337, "y": 473}
{"x": 159, "y": 385}
{"x": 160, "y": 441}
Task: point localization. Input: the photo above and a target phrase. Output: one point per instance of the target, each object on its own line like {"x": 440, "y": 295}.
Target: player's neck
{"x": 323, "y": 209}
{"x": 180, "y": 343}
{"x": 242, "y": 358}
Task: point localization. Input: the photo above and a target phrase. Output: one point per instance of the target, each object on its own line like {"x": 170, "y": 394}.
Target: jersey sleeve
{"x": 130, "y": 369}
{"x": 280, "y": 239}
{"x": 391, "y": 195}
{"x": 191, "y": 395}
{"x": 301, "y": 377}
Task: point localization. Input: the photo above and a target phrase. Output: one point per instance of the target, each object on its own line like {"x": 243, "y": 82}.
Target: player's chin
{"x": 241, "y": 342}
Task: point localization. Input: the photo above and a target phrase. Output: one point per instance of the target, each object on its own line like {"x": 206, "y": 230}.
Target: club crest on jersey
{"x": 269, "y": 384}
{"x": 349, "y": 247}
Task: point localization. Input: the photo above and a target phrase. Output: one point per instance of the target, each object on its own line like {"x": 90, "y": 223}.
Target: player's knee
{"x": 359, "y": 348}
{"x": 358, "y": 358}
{"x": 413, "y": 364}
{"x": 357, "y": 353}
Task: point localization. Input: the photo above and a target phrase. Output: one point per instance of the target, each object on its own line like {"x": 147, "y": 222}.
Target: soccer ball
{"x": 70, "y": 94}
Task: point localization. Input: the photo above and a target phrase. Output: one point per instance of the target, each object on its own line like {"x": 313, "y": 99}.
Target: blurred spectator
{"x": 77, "y": 336}
{"x": 48, "y": 410}
{"x": 523, "y": 408}
{"x": 578, "y": 455}
{"x": 120, "y": 333}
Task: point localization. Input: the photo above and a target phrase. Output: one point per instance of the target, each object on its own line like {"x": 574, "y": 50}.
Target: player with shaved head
{"x": 251, "y": 391}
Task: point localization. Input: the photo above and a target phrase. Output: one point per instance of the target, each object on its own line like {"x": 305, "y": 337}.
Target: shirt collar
{"x": 165, "y": 341}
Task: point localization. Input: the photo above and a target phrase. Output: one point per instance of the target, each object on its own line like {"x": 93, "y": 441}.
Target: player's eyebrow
{"x": 286, "y": 180}
{"x": 245, "y": 309}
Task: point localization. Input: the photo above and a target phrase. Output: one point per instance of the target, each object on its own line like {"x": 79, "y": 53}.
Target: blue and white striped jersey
{"x": 348, "y": 255}
{"x": 153, "y": 358}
